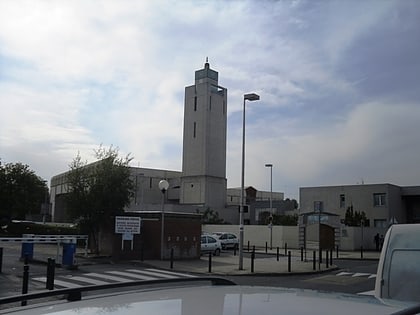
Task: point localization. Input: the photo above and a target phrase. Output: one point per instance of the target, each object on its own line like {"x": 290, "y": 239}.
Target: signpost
{"x": 127, "y": 226}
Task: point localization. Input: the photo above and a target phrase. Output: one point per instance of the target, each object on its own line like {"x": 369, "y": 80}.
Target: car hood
{"x": 238, "y": 300}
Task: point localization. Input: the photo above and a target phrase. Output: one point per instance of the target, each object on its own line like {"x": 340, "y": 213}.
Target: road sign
{"x": 125, "y": 225}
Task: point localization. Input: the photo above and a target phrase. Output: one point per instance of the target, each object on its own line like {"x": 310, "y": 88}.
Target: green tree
{"x": 211, "y": 217}
{"x": 355, "y": 218}
{"x": 22, "y": 192}
{"x": 98, "y": 191}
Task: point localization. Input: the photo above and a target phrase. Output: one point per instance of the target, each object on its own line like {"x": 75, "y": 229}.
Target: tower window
{"x": 210, "y": 103}
{"x": 195, "y": 129}
{"x": 195, "y": 103}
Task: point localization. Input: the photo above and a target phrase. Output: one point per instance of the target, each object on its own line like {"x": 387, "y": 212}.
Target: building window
{"x": 195, "y": 103}
{"x": 379, "y": 223}
{"x": 342, "y": 201}
{"x": 318, "y": 206}
{"x": 210, "y": 103}
{"x": 195, "y": 129}
{"x": 379, "y": 200}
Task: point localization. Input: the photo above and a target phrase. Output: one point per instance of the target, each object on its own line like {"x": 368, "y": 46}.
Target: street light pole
{"x": 249, "y": 97}
{"x": 271, "y": 203}
{"x": 163, "y": 186}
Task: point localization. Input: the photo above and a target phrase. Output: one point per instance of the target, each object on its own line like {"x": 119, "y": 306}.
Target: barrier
{"x": 28, "y": 241}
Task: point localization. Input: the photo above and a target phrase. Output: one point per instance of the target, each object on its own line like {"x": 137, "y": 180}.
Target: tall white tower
{"x": 203, "y": 180}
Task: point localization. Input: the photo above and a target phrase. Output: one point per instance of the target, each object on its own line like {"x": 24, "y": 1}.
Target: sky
{"x": 339, "y": 83}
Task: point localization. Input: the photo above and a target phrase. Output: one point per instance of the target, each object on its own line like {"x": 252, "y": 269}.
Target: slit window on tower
{"x": 195, "y": 103}
{"x": 210, "y": 103}
{"x": 195, "y": 129}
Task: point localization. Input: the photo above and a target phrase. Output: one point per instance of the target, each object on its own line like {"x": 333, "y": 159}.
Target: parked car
{"x": 228, "y": 240}
{"x": 210, "y": 244}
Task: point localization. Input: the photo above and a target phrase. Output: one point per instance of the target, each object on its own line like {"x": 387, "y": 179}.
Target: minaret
{"x": 203, "y": 180}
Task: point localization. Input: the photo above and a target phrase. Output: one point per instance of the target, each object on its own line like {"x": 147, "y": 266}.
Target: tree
{"x": 22, "y": 192}
{"x": 98, "y": 191}
{"x": 355, "y": 218}
{"x": 211, "y": 217}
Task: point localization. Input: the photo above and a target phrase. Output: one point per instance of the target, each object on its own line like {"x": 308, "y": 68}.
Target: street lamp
{"x": 271, "y": 203}
{"x": 163, "y": 186}
{"x": 249, "y": 97}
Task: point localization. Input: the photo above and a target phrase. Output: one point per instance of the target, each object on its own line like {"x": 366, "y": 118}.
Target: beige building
{"x": 383, "y": 204}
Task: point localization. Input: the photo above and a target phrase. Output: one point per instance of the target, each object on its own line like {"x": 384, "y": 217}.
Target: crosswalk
{"x": 112, "y": 276}
{"x": 356, "y": 274}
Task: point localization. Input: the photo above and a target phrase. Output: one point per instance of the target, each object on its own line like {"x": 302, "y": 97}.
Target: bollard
{"x": 361, "y": 252}
{"x": 49, "y": 284}
{"x": 289, "y": 261}
{"x": 285, "y": 249}
{"x": 252, "y": 258}
{"x": 314, "y": 261}
{"x": 266, "y": 247}
{"x": 25, "y": 281}
{"x": 326, "y": 259}
{"x": 1, "y": 259}
{"x": 172, "y": 258}
{"x": 278, "y": 253}
{"x": 248, "y": 246}
{"x": 234, "y": 250}
{"x": 331, "y": 259}
{"x": 337, "y": 252}
{"x": 210, "y": 254}
{"x": 320, "y": 255}
{"x": 301, "y": 254}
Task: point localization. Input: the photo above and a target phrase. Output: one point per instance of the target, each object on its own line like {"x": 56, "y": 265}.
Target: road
{"x": 353, "y": 276}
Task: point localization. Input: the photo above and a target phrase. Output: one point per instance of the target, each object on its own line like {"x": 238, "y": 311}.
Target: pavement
{"x": 265, "y": 263}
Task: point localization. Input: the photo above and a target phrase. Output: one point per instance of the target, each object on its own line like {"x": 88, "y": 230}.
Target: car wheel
{"x": 217, "y": 252}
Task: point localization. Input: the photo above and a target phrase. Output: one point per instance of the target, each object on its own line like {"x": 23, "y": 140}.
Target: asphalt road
{"x": 353, "y": 276}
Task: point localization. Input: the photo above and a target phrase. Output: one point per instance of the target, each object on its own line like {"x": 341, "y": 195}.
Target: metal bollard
{"x": 248, "y": 246}
{"x": 285, "y": 249}
{"x": 301, "y": 254}
{"x": 266, "y": 247}
{"x": 49, "y": 284}
{"x": 314, "y": 260}
{"x": 278, "y": 253}
{"x": 326, "y": 259}
{"x": 252, "y": 258}
{"x": 361, "y": 252}
{"x": 172, "y": 258}
{"x": 289, "y": 261}
{"x": 25, "y": 282}
{"x": 234, "y": 250}
{"x": 1, "y": 259}
{"x": 331, "y": 259}
{"x": 210, "y": 254}
{"x": 337, "y": 252}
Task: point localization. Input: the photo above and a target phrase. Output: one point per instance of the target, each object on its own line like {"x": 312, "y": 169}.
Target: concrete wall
{"x": 258, "y": 235}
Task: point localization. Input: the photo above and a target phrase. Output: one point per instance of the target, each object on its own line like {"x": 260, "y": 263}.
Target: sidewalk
{"x": 264, "y": 263}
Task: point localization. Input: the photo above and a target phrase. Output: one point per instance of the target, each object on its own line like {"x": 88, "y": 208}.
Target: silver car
{"x": 209, "y": 244}
{"x": 228, "y": 240}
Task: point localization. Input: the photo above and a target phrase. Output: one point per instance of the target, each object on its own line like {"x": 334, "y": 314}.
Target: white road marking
{"x": 107, "y": 277}
{"x": 344, "y": 274}
{"x": 152, "y": 273}
{"x": 131, "y": 275}
{"x": 372, "y": 292}
{"x": 361, "y": 274}
{"x": 172, "y": 273}
{"x": 60, "y": 283}
{"x": 88, "y": 280}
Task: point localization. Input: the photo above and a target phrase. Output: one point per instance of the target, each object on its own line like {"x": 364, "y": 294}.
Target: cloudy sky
{"x": 339, "y": 83}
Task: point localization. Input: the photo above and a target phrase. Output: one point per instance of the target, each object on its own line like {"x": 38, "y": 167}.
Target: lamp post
{"x": 249, "y": 97}
{"x": 163, "y": 186}
{"x": 271, "y": 203}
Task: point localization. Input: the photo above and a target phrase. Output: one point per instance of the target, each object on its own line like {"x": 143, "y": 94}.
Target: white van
{"x": 398, "y": 276}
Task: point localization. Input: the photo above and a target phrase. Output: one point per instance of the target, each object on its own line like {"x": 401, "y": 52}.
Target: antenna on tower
{"x": 207, "y": 65}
